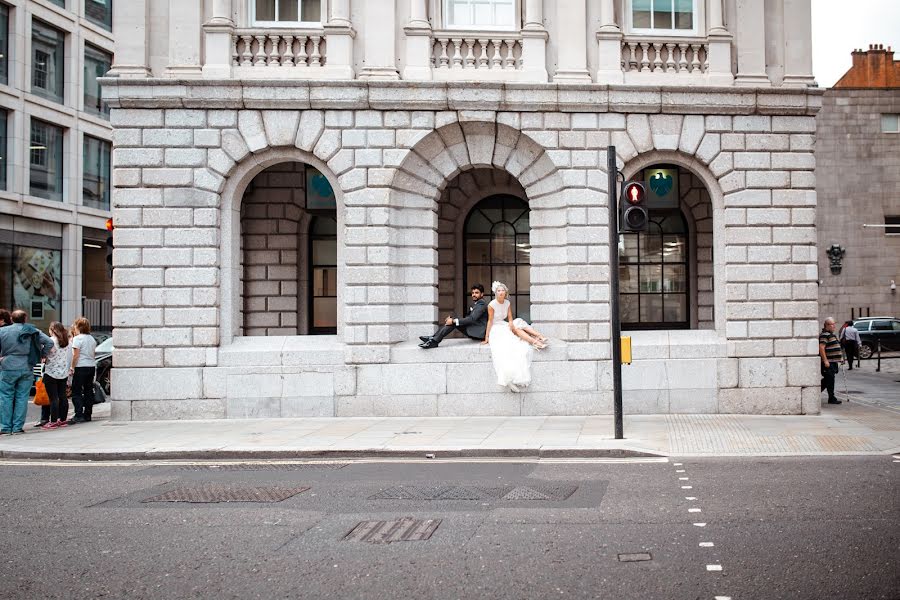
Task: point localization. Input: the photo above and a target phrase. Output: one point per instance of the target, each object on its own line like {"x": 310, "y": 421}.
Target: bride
{"x": 510, "y": 351}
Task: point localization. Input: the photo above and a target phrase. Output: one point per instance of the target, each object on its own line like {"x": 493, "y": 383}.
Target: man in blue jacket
{"x": 22, "y": 346}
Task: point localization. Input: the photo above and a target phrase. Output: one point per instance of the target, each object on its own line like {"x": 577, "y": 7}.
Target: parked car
{"x": 103, "y": 355}
{"x": 878, "y": 329}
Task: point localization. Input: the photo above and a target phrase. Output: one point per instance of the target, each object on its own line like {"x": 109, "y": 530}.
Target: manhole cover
{"x": 553, "y": 493}
{"x": 261, "y": 467}
{"x": 220, "y": 493}
{"x": 406, "y": 529}
{"x": 468, "y": 492}
{"x": 635, "y": 557}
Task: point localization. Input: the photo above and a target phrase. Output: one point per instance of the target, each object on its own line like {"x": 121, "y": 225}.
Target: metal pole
{"x": 878, "y": 368}
{"x": 615, "y": 327}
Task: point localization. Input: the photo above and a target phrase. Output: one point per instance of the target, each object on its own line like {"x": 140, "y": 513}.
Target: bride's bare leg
{"x": 535, "y": 333}
{"x": 519, "y": 331}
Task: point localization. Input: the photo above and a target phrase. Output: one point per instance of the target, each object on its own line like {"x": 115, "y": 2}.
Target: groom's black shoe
{"x": 428, "y": 345}
{"x": 424, "y": 338}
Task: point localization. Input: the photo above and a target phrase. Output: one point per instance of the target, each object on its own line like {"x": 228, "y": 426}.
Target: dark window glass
{"x": 4, "y": 149}
{"x": 881, "y": 326}
{"x": 48, "y": 61}
{"x": 99, "y": 12}
{"x": 653, "y": 274}
{"x": 497, "y": 249}
{"x": 95, "y": 189}
{"x": 892, "y": 220}
{"x": 46, "y": 158}
{"x": 4, "y": 44}
{"x": 323, "y": 268}
{"x": 287, "y": 11}
{"x": 662, "y": 14}
{"x": 96, "y": 64}
{"x": 61, "y": 3}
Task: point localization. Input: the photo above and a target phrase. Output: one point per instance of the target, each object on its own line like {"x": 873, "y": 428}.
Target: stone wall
{"x": 178, "y": 261}
{"x": 858, "y": 179}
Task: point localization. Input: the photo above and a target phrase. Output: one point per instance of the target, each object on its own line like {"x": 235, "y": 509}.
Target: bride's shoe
{"x": 538, "y": 345}
{"x": 513, "y": 387}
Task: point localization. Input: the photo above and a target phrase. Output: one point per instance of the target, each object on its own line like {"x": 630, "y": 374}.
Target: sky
{"x": 840, "y": 26}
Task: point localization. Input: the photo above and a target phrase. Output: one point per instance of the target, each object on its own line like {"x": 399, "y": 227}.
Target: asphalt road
{"x": 777, "y": 528}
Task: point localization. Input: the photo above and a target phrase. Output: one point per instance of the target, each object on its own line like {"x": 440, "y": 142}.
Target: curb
{"x": 618, "y": 453}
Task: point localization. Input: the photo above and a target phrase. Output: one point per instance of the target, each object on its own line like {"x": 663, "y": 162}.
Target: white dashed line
{"x": 683, "y": 479}
{"x": 687, "y": 487}
{"x": 676, "y": 464}
{"x": 723, "y": 598}
{"x": 693, "y": 510}
{"x": 679, "y": 470}
{"x": 690, "y": 497}
{"x": 699, "y": 524}
{"x": 713, "y": 567}
{"x": 706, "y": 544}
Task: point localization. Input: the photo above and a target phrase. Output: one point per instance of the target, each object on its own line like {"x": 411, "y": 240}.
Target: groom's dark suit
{"x": 474, "y": 325}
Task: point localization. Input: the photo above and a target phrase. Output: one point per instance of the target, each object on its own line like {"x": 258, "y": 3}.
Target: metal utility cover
{"x": 469, "y": 492}
{"x": 214, "y": 493}
{"x": 635, "y": 557}
{"x": 553, "y": 493}
{"x": 406, "y": 529}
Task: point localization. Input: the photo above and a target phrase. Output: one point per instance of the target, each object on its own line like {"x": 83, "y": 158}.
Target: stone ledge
{"x": 492, "y": 96}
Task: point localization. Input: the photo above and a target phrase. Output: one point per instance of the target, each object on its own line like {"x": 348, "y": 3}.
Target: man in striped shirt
{"x": 831, "y": 355}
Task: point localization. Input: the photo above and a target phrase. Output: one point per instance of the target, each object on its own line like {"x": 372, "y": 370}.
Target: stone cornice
{"x": 484, "y": 96}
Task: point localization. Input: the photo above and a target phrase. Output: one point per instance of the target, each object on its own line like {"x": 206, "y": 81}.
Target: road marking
{"x": 699, "y": 524}
{"x": 694, "y": 510}
{"x": 677, "y": 464}
{"x": 690, "y": 497}
{"x": 723, "y": 598}
{"x": 687, "y": 487}
{"x": 679, "y": 470}
{"x": 706, "y": 544}
{"x": 683, "y": 479}
{"x": 713, "y": 567}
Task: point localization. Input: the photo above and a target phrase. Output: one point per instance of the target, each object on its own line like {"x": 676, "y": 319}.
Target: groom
{"x": 473, "y": 326}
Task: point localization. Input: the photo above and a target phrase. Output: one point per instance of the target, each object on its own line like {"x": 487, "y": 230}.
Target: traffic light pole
{"x": 615, "y": 333}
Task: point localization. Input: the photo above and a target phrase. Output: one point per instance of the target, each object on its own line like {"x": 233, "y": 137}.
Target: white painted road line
{"x": 699, "y": 524}
{"x": 679, "y": 470}
{"x": 690, "y": 497}
{"x": 687, "y": 487}
{"x": 693, "y": 510}
{"x": 706, "y": 544}
{"x": 723, "y": 598}
{"x": 713, "y": 567}
{"x": 683, "y": 479}
{"x": 676, "y": 464}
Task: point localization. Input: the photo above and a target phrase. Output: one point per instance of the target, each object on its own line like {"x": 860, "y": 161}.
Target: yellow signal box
{"x": 626, "y": 350}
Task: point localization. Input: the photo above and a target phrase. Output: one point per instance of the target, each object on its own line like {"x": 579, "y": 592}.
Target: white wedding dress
{"x": 510, "y": 353}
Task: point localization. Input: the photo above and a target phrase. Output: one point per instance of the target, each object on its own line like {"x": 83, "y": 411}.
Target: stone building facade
{"x": 476, "y": 154}
{"x": 858, "y": 159}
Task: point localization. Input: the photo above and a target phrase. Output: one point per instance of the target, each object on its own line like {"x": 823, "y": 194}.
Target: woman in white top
{"x": 511, "y": 354}
{"x": 84, "y": 367}
{"x": 56, "y": 375}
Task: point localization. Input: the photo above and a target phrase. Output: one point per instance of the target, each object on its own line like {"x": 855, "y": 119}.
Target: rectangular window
{"x": 31, "y": 279}
{"x": 277, "y": 12}
{"x": 95, "y": 189}
{"x": 48, "y": 60}
{"x": 46, "y": 158}
{"x": 96, "y": 64}
{"x": 4, "y": 44}
{"x": 61, "y": 3}
{"x": 890, "y": 123}
{"x": 99, "y": 12}
{"x": 893, "y": 224}
{"x": 480, "y": 14}
{"x": 3, "y": 148}
{"x": 663, "y": 15}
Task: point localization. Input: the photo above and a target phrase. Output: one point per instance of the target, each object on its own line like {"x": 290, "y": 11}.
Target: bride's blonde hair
{"x": 497, "y": 286}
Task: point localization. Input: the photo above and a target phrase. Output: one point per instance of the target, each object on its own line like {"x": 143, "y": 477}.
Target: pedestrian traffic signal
{"x": 633, "y": 209}
{"x": 109, "y": 248}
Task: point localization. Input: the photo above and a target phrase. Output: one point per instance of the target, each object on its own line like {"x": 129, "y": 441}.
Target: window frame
{"x": 4, "y": 47}
{"x": 101, "y": 24}
{"x": 276, "y": 24}
{"x": 44, "y": 92}
{"x": 695, "y": 31}
{"x": 311, "y": 304}
{"x": 103, "y": 111}
{"x": 62, "y": 161}
{"x": 659, "y": 215}
{"x": 513, "y": 27}
{"x": 896, "y": 117}
{"x": 103, "y": 179}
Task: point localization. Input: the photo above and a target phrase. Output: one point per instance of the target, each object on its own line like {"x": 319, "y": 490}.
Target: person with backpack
{"x": 22, "y": 346}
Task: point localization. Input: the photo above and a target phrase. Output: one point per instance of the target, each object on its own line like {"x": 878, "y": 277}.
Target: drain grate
{"x": 406, "y": 529}
{"x": 261, "y": 466}
{"x": 219, "y": 493}
{"x": 553, "y": 493}
{"x": 635, "y": 557}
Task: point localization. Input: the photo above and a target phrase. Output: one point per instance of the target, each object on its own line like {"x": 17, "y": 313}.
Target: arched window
{"x": 323, "y": 275}
{"x": 653, "y": 274}
{"x": 497, "y": 249}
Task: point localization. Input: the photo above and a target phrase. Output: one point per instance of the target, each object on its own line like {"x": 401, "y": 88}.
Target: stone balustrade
{"x": 669, "y": 57}
{"x": 476, "y": 55}
{"x": 257, "y": 51}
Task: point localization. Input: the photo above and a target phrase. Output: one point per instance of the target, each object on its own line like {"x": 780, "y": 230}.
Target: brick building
{"x": 302, "y": 189}
{"x": 858, "y": 184}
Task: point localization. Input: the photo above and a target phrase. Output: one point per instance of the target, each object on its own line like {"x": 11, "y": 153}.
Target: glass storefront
{"x": 31, "y": 280}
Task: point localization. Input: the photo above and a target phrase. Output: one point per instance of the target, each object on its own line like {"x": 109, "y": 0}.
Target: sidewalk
{"x": 850, "y": 428}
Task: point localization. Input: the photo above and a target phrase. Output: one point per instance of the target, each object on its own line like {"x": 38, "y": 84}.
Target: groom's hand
{"x": 448, "y": 321}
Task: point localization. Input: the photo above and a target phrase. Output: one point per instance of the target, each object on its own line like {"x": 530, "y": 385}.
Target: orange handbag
{"x": 40, "y": 393}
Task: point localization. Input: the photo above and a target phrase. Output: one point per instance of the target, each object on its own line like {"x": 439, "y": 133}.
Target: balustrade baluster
{"x": 705, "y": 65}
{"x": 657, "y": 57}
{"x": 247, "y": 56}
{"x": 682, "y": 58}
{"x": 482, "y": 54}
{"x": 645, "y": 57}
{"x": 632, "y": 60}
{"x": 316, "y": 58}
{"x": 695, "y": 61}
{"x": 444, "y": 57}
{"x": 260, "y": 57}
{"x": 287, "y": 59}
{"x": 511, "y": 62}
{"x": 302, "y": 56}
{"x": 470, "y": 53}
{"x": 457, "y": 53}
{"x": 235, "y": 50}
{"x": 274, "y": 58}
{"x": 497, "y": 58}
{"x": 670, "y": 58}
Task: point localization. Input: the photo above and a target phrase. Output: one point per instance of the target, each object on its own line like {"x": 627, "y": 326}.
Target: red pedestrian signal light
{"x": 109, "y": 224}
{"x": 633, "y": 214}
